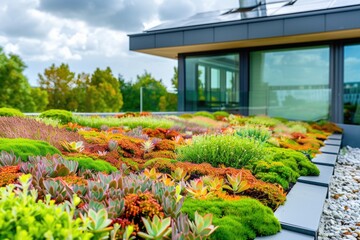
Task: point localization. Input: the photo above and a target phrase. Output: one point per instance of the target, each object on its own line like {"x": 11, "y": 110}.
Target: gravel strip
{"x": 341, "y": 215}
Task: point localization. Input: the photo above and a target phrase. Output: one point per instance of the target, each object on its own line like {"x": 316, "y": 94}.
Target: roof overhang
{"x": 326, "y": 25}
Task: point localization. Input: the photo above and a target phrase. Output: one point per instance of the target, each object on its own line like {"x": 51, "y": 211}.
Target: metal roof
{"x": 267, "y": 9}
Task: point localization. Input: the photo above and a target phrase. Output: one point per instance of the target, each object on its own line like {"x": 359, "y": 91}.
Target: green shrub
{"x": 91, "y": 164}
{"x": 62, "y": 115}
{"x": 186, "y": 115}
{"x": 24, "y": 148}
{"x": 256, "y": 133}
{"x": 228, "y": 150}
{"x": 293, "y": 159}
{"x": 131, "y": 122}
{"x": 23, "y": 217}
{"x": 204, "y": 114}
{"x": 10, "y": 112}
{"x": 221, "y": 114}
{"x": 275, "y": 172}
{"x": 241, "y": 219}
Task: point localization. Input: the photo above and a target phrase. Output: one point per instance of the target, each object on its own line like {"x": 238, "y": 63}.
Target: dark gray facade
{"x": 274, "y": 26}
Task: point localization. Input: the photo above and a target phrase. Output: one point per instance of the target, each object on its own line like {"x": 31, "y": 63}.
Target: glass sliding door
{"x": 352, "y": 84}
{"x": 290, "y": 83}
{"x": 212, "y": 82}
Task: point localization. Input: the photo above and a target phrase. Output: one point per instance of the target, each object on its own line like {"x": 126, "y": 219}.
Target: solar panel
{"x": 264, "y": 8}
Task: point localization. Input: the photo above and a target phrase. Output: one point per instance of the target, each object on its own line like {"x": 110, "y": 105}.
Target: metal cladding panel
{"x": 231, "y": 33}
{"x": 142, "y": 42}
{"x": 266, "y": 29}
{"x": 312, "y": 24}
{"x": 343, "y": 20}
{"x": 199, "y": 36}
{"x": 169, "y": 39}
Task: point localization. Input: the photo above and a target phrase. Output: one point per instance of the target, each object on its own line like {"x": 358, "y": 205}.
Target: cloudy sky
{"x": 88, "y": 34}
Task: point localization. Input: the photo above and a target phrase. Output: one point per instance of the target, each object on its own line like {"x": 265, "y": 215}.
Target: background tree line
{"x": 60, "y": 88}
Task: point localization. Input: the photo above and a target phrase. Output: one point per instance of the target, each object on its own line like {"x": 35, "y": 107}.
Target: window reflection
{"x": 352, "y": 84}
{"x": 290, "y": 83}
{"x": 212, "y": 82}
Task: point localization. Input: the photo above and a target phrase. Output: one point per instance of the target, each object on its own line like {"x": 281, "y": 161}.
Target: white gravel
{"x": 341, "y": 215}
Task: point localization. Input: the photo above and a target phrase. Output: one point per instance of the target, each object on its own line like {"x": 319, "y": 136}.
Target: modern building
{"x": 297, "y": 59}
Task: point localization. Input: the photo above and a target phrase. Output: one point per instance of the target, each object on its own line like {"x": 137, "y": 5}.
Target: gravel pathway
{"x": 341, "y": 216}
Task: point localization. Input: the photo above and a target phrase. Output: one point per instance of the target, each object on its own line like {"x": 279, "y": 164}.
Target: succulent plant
{"x": 58, "y": 190}
{"x": 236, "y": 184}
{"x": 179, "y": 174}
{"x": 99, "y": 223}
{"x": 72, "y": 146}
{"x": 9, "y": 159}
{"x": 197, "y": 189}
{"x": 152, "y": 174}
{"x": 112, "y": 145}
{"x": 147, "y": 146}
{"x": 156, "y": 229}
{"x": 202, "y": 226}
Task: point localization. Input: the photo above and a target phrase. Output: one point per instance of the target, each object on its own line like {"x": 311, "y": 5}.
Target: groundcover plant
{"x": 138, "y": 176}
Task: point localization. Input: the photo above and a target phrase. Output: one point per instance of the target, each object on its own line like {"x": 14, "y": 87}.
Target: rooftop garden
{"x": 138, "y": 176}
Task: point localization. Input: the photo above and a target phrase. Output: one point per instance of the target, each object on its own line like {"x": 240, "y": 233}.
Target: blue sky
{"x": 91, "y": 33}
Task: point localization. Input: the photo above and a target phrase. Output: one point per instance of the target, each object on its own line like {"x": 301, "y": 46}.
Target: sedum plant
{"x": 202, "y": 226}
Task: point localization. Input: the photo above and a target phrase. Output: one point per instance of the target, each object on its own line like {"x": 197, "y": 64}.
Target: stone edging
{"x": 300, "y": 216}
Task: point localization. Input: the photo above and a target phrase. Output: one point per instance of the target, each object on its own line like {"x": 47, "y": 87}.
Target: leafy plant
{"x": 23, "y": 217}
{"x": 95, "y": 165}
{"x": 236, "y": 219}
{"x": 62, "y": 115}
{"x": 227, "y": 150}
{"x": 156, "y": 229}
{"x": 256, "y": 133}
{"x": 10, "y": 112}
{"x": 112, "y": 145}
{"x": 24, "y": 148}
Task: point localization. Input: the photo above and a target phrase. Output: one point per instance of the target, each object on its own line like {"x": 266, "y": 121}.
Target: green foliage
{"x": 40, "y": 98}
{"x": 23, "y": 217}
{"x": 152, "y": 89}
{"x": 58, "y": 82}
{"x": 95, "y": 165}
{"x": 227, "y": 150}
{"x": 294, "y": 159}
{"x": 282, "y": 166}
{"x": 256, "y": 133}
{"x": 10, "y": 112}
{"x": 204, "y": 114}
{"x": 103, "y": 93}
{"x": 15, "y": 90}
{"x": 131, "y": 122}
{"x": 24, "y": 148}
{"x": 236, "y": 219}
{"x": 221, "y": 114}
{"x": 62, "y": 115}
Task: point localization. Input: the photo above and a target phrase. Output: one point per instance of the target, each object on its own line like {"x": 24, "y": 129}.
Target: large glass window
{"x": 212, "y": 82}
{"x": 290, "y": 83}
{"x": 352, "y": 84}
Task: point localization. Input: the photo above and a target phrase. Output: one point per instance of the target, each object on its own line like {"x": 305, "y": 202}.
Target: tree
{"x": 103, "y": 94}
{"x": 174, "y": 80}
{"x": 15, "y": 90}
{"x": 153, "y": 90}
{"x": 58, "y": 83}
{"x": 40, "y": 99}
